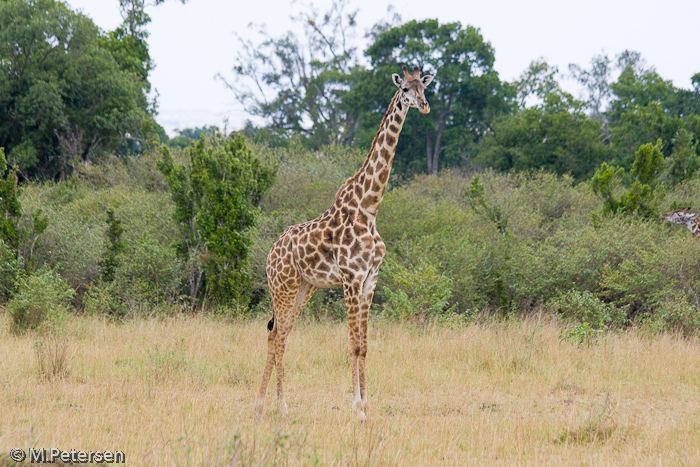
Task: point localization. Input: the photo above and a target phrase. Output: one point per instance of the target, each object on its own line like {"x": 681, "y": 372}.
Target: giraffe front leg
{"x": 352, "y": 303}
{"x": 279, "y": 364}
{"x": 365, "y": 304}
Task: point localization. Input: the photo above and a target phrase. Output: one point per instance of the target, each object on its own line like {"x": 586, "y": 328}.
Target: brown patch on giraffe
{"x": 398, "y": 119}
{"x": 390, "y": 140}
{"x": 353, "y": 203}
{"x": 368, "y": 201}
{"x": 367, "y": 184}
{"x": 334, "y": 221}
{"x": 344, "y": 214}
{"x": 394, "y": 129}
{"x": 323, "y": 267}
{"x": 347, "y": 237}
{"x": 380, "y": 140}
{"x": 383, "y": 176}
{"x": 359, "y": 229}
{"x": 314, "y": 260}
{"x": 370, "y": 170}
{"x": 315, "y": 237}
{"x": 324, "y": 250}
{"x": 356, "y": 248}
{"x": 361, "y": 218}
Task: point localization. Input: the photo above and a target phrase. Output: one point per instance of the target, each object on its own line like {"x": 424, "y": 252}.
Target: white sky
{"x": 191, "y": 43}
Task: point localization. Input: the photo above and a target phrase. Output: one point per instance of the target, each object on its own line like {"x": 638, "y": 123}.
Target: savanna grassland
{"x": 180, "y": 391}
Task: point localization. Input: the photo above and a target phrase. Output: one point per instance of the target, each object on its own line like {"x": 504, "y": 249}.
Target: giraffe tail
{"x": 271, "y": 323}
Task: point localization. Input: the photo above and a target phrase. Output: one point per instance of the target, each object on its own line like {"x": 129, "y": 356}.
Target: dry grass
{"x": 181, "y": 391}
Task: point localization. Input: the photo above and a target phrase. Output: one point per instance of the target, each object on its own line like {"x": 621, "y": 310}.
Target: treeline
{"x": 70, "y": 92}
{"x": 317, "y": 87}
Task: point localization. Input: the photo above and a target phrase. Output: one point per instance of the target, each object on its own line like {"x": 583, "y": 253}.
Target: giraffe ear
{"x": 426, "y": 80}
{"x": 397, "y": 80}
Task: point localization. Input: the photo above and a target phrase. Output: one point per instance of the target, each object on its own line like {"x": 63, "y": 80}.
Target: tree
{"x": 69, "y": 92}
{"x": 296, "y": 84}
{"x": 552, "y": 133}
{"x": 645, "y": 192}
{"x": 63, "y": 95}
{"x": 216, "y": 198}
{"x": 596, "y": 83}
{"x": 536, "y": 83}
{"x": 465, "y": 99}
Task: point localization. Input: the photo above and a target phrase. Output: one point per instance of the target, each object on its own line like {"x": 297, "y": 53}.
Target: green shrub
{"x": 11, "y": 272}
{"x": 420, "y": 291}
{"x": 678, "y": 312}
{"x": 148, "y": 274}
{"x": 585, "y": 308}
{"x": 41, "y": 302}
{"x": 216, "y": 197}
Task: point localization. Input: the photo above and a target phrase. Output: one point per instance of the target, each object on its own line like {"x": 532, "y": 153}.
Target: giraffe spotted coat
{"x": 340, "y": 248}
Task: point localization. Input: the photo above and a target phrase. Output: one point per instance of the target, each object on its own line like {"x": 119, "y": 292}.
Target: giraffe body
{"x": 684, "y": 217}
{"x": 339, "y": 248}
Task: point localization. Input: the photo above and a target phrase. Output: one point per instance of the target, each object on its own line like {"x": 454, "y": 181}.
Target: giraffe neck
{"x": 694, "y": 226}
{"x": 373, "y": 176}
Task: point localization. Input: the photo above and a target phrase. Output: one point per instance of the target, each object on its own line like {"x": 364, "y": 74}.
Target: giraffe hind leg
{"x": 267, "y": 372}
{"x": 284, "y": 327}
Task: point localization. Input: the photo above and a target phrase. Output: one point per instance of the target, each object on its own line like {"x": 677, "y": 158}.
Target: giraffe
{"x": 685, "y": 217}
{"x": 339, "y": 248}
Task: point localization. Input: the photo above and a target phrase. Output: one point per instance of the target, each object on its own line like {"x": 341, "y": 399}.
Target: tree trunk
{"x": 434, "y": 150}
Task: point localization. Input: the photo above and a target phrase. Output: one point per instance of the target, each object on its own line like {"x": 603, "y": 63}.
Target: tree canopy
{"x": 68, "y": 91}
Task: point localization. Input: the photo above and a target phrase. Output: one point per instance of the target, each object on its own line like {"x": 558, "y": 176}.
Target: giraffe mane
{"x": 374, "y": 143}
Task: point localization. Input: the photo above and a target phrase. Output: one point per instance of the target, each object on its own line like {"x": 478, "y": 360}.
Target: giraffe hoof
{"x": 258, "y": 410}
{"x": 358, "y": 407}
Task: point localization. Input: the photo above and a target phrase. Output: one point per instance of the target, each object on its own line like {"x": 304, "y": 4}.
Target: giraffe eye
{"x": 404, "y": 89}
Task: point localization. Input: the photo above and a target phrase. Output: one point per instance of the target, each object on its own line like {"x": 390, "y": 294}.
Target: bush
{"x": 11, "y": 272}
{"x": 148, "y": 274}
{"x": 678, "y": 312}
{"x": 421, "y": 291}
{"x": 217, "y": 197}
{"x": 41, "y": 303}
{"x": 585, "y": 308}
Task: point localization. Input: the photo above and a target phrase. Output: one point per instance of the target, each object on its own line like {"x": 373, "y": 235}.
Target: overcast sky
{"x": 191, "y": 43}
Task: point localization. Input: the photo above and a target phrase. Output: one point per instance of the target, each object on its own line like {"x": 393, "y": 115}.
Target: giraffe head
{"x": 412, "y": 87}
{"x": 680, "y": 217}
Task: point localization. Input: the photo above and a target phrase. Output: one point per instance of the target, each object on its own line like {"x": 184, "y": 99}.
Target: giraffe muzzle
{"x": 424, "y": 109}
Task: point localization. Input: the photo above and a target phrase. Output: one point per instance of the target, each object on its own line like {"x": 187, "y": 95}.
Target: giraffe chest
{"x": 324, "y": 256}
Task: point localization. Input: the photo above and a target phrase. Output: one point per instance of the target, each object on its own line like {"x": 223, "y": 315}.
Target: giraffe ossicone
{"x": 340, "y": 248}
{"x": 684, "y": 217}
